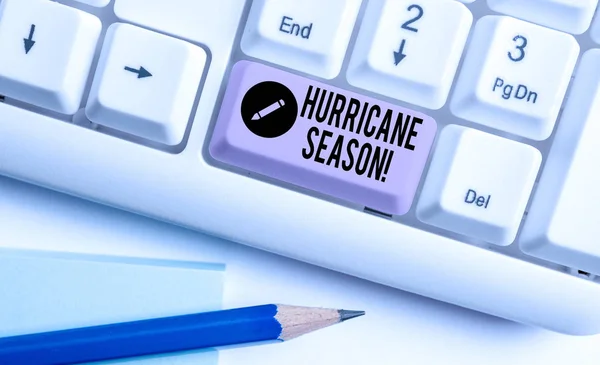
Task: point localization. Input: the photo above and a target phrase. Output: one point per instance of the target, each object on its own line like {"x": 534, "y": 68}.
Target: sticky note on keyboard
{"x": 44, "y": 291}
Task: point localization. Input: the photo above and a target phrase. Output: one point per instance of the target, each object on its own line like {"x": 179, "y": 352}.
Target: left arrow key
{"x": 29, "y": 42}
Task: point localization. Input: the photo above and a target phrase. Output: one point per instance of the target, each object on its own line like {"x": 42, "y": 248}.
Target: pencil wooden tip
{"x": 346, "y": 314}
{"x": 297, "y": 321}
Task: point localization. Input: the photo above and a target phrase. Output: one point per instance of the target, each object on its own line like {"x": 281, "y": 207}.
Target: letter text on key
{"x": 322, "y": 138}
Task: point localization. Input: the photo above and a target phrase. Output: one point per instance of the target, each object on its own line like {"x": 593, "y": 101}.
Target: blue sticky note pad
{"x": 44, "y": 291}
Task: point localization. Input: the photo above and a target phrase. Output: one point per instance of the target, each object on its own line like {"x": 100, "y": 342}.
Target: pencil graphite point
{"x": 346, "y": 314}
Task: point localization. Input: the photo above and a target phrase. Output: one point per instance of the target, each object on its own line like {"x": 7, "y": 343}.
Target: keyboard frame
{"x": 188, "y": 188}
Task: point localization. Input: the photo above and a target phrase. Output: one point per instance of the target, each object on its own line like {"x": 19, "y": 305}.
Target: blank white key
{"x": 145, "y": 84}
{"x": 515, "y": 76}
{"x": 572, "y": 16}
{"x": 309, "y": 36}
{"x": 209, "y": 22}
{"x": 97, "y": 3}
{"x": 478, "y": 184}
{"x": 595, "y": 29}
{"x": 410, "y": 49}
{"x": 46, "y": 53}
{"x": 466, "y": 1}
{"x": 563, "y": 224}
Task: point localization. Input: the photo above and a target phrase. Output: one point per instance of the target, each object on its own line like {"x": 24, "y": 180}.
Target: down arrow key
{"x": 29, "y": 42}
{"x": 399, "y": 55}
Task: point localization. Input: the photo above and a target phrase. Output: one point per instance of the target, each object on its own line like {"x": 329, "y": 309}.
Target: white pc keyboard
{"x": 443, "y": 147}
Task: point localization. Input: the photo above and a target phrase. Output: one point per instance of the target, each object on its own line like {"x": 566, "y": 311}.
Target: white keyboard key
{"x": 46, "y": 53}
{"x": 515, "y": 76}
{"x": 309, "y": 36}
{"x": 595, "y": 29}
{"x": 478, "y": 184}
{"x": 466, "y": 1}
{"x": 208, "y": 22}
{"x": 410, "y": 49}
{"x": 97, "y": 3}
{"x": 145, "y": 84}
{"x": 572, "y": 16}
{"x": 562, "y": 225}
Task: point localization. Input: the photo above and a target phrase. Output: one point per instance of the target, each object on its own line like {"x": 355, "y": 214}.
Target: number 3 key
{"x": 515, "y": 76}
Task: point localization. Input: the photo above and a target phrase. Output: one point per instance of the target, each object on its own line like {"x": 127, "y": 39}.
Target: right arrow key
{"x": 141, "y": 72}
{"x": 146, "y": 84}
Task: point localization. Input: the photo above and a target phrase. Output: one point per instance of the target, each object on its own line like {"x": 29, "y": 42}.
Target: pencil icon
{"x": 268, "y": 110}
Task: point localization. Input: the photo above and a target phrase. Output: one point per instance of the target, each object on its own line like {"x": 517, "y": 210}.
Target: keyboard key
{"x": 47, "y": 51}
{"x": 293, "y": 34}
{"x": 562, "y": 225}
{"x": 98, "y": 3}
{"x": 410, "y": 49}
{"x": 595, "y": 29}
{"x": 483, "y": 194}
{"x": 197, "y": 20}
{"x": 322, "y": 138}
{"x": 515, "y": 76}
{"x": 572, "y": 16}
{"x": 145, "y": 84}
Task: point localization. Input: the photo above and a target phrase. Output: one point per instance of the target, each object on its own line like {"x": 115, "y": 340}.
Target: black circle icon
{"x": 269, "y": 109}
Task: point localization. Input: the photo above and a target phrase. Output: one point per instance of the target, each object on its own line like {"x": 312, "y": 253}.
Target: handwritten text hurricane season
{"x": 383, "y": 128}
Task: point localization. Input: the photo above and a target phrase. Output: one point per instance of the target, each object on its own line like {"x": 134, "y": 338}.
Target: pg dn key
{"x": 515, "y": 76}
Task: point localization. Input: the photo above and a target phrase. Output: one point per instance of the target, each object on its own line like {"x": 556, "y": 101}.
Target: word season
{"x": 362, "y": 118}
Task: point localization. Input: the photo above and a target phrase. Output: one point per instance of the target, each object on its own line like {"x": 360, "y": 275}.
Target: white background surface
{"x": 400, "y": 328}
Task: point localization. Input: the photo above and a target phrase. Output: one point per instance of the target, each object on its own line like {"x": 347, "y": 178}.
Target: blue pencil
{"x": 161, "y": 335}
